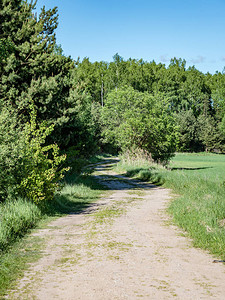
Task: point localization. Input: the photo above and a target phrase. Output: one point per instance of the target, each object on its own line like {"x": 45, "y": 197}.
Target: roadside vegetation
{"x": 18, "y": 217}
{"x": 198, "y": 182}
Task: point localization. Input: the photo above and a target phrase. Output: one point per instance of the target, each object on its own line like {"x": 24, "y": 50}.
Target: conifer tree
{"x": 33, "y": 60}
{"x": 36, "y": 71}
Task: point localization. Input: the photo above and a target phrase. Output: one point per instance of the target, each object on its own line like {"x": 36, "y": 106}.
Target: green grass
{"x": 77, "y": 194}
{"x": 199, "y": 179}
{"x": 16, "y": 260}
{"x": 18, "y": 217}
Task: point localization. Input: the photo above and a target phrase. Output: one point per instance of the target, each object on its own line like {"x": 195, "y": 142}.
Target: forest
{"x": 55, "y": 109}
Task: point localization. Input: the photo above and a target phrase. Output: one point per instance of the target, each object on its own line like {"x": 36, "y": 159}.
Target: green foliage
{"x": 190, "y": 93}
{"x": 5, "y": 48}
{"x": 84, "y": 107}
{"x": 222, "y": 127}
{"x": 209, "y": 133}
{"x": 28, "y": 166}
{"x": 188, "y": 130}
{"x": 65, "y": 92}
{"x": 41, "y": 168}
{"x": 77, "y": 127}
{"x": 37, "y": 70}
{"x": 217, "y": 85}
{"x": 135, "y": 119}
{"x": 11, "y": 149}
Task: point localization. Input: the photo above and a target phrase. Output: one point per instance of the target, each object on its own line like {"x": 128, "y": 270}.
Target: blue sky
{"x": 153, "y": 30}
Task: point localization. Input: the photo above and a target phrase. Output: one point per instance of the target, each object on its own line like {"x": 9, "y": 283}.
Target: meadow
{"x": 198, "y": 185}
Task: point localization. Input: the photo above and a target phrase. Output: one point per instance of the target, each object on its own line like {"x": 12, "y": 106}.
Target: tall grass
{"x": 16, "y": 218}
{"x": 199, "y": 180}
{"x": 137, "y": 163}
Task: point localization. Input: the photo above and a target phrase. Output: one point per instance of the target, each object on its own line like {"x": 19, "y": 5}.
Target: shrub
{"x": 41, "y": 167}
{"x": 28, "y": 167}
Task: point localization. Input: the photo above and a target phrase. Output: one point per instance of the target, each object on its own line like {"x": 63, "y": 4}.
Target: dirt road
{"x": 123, "y": 247}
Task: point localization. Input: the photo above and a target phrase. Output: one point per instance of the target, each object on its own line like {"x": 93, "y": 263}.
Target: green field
{"x": 209, "y": 166}
{"x": 198, "y": 180}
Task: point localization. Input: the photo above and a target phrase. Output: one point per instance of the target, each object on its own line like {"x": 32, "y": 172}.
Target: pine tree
{"x": 34, "y": 70}
{"x": 33, "y": 57}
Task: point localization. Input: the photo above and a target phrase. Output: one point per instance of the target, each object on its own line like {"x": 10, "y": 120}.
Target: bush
{"x": 28, "y": 167}
{"x": 41, "y": 165}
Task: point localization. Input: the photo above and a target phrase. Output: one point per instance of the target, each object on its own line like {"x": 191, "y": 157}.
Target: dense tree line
{"x": 196, "y": 100}
{"x": 47, "y": 98}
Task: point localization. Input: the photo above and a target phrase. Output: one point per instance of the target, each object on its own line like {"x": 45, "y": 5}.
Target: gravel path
{"x": 123, "y": 247}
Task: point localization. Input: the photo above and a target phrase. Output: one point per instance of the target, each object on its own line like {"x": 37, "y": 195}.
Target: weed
{"x": 107, "y": 214}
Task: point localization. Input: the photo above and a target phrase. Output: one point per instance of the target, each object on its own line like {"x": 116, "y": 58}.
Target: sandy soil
{"x": 123, "y": 247}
